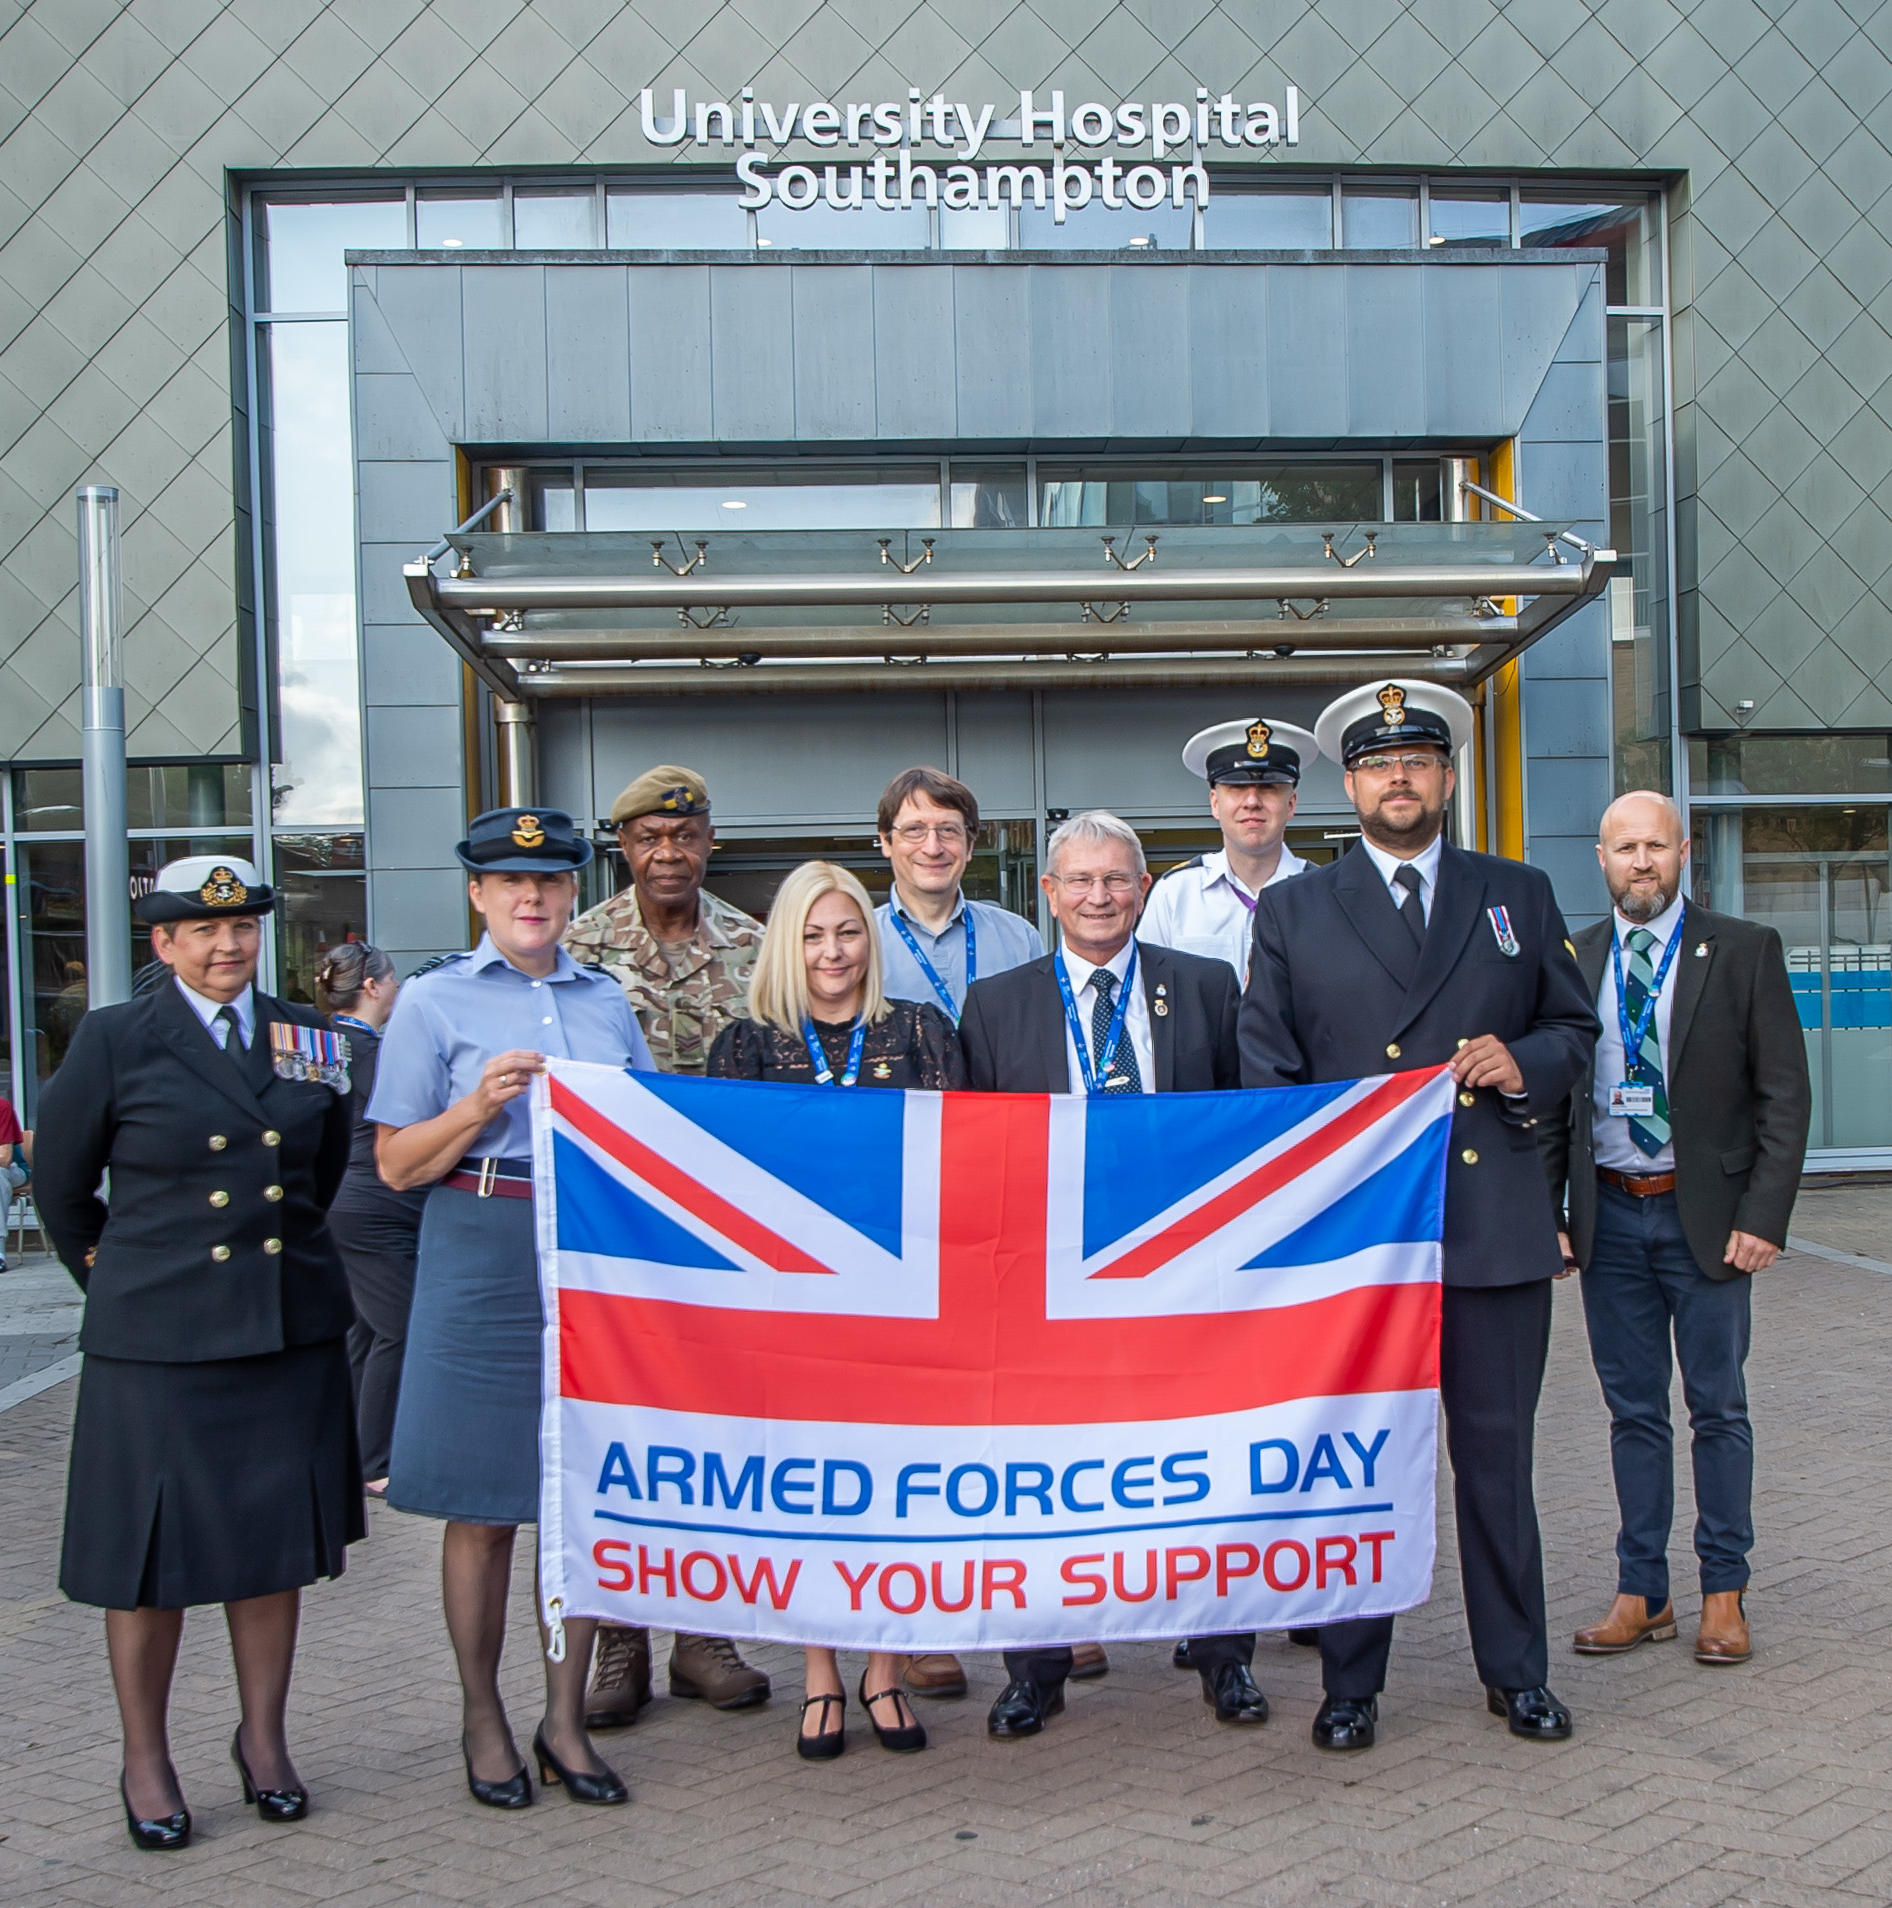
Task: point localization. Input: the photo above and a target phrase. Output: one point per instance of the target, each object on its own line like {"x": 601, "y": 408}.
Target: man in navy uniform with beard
{"x": 1404, "y": 953}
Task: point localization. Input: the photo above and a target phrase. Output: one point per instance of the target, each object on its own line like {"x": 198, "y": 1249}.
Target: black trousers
{"x": 1046, "y": 1669}
{"x": 381, "y": 1282}
{"x": 1493, "y": 1342}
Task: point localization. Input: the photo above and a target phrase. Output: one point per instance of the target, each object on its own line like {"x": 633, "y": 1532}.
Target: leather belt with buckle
{"x": 1642, "y": 1185}
{"x": 492, "y": 1178}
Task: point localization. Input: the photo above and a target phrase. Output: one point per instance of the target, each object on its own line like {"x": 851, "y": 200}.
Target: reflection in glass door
{"x": 1820, "y": 877}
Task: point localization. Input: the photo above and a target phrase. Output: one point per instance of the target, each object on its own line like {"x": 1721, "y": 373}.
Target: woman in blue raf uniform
{"x": 213, "y": 1448}
{"x": 456, "y": 1063}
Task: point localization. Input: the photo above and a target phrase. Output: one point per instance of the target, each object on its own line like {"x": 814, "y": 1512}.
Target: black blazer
{"x": 195, "y": 1140}
{"x": 1337, "y": 991}
{"x": 1013, "y": 1027}
{"x": 1739, "y": 1097}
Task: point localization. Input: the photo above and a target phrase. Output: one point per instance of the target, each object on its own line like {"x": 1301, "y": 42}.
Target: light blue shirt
{"x": 1005, "y": 940}
{"x": 448, "y": 1023}
{"x": 207, "y": 1011}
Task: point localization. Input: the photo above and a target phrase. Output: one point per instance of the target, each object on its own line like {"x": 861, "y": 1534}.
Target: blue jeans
{"x": 1642, "y": 1285}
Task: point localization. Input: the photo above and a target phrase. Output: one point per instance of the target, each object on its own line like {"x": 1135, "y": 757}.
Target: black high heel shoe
{"x": 607, "y": 1789}
{"x": 829, "y": 1743}
{"x": 272, "y": 1805}
{"x": 514, "y": 1793}
{"x": 901, "y": 1741}
{"x": 155, "y": 1831}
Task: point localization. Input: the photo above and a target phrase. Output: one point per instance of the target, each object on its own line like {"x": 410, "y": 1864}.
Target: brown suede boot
{"x": 620, "y": 1677}
{"x": 1627, "y": 1624}
{"x": 710, "y": 1669}
{"x": 1723, "y": 1636}
{"x": 1088, "y": 1662}
{"x": 935, "y": 1673}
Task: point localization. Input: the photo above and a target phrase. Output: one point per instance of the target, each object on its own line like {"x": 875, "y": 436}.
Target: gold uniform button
{"x": 1392, "y": 1050}
{"x": 1469, "y": 1157}
{"x": 219, "y": 1253}
{"x": 220, "y": 1199}
{"x": 272, "y": 1193}
{"x": 1468, "y": 1099}
{"x": 271, "y": 1137}
{"x": 218, "y": 1142}
{"x": 274, "y": 1246}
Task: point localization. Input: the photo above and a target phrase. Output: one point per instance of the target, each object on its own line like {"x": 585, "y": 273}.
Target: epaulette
{"x": 1194, "y": 861}
{"x": 437, "y": 960}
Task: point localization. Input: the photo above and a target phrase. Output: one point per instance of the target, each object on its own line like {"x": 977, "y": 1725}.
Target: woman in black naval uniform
{"x": 213, "y": 1447}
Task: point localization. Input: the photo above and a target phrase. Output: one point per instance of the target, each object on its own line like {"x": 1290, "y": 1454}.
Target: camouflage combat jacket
{"x": 681, "y": 1012}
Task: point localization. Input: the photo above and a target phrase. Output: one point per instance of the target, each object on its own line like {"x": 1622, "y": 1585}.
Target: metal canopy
{"x": 633, "y": 612}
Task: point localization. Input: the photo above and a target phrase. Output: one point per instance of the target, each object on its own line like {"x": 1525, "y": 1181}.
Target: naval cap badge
{"x": 1258, "y": 734}
{"x": 222, "y": 889}
{"x": 1392, "y": 700}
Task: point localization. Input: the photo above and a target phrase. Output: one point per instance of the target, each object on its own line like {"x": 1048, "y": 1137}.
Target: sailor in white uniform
{"x": 1207, "y": 906}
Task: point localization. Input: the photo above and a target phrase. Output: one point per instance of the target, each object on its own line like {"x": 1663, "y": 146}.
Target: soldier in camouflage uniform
{"x": 683, "y": 957}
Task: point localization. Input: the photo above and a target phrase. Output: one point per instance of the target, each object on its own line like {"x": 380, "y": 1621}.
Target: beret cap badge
{"x": 222, "y": 889}
{"x": 679, "y": 800}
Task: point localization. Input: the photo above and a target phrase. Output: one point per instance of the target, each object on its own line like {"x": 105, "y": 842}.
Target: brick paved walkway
{"x": 1765, "y": 1784}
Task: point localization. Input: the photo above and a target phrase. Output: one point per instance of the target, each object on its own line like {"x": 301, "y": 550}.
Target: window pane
{"x": 1639, "y": 529}
{"x": 47, "y": 799}
{"x": 473, "y": 220}
{"x": 745, "y": 498}
{"x": 1790, "y": 764}
{"x": 189, "y": 795}
{"x": 1416, "y": 496}
{"x": 675, "y": 221}
{"x": 1313, "y": 493}
{"x": 557, "y": 506}
{"x": 325, "y": 901}
{"x": 824, "y": 226}
{"x": 1094, "y": 227}
{"x": 312, "y": 606}
{"x": 1379, "y": 220}
{"x": 988, "y": 499}
{"x": 52, "y": 956}
{"x": 981, "y": 228}
{"x": 303, "y": 242}
{"x": 1262, "y": 221}
{"x": 1470, "y": 218}
{"x": 1625, "y": 225}
{"x": 553, "y": 221}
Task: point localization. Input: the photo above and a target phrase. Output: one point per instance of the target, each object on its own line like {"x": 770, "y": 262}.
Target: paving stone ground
{"x": 1684, "y": 1787}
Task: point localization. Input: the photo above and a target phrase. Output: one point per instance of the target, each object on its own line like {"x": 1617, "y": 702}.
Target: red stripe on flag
{"x": 1198, "y": 1224}
{"x": 731, "y": 1221}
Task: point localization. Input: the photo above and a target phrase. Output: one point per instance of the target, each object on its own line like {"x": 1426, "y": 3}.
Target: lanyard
{"x": 349, "y": 1020}
{"x": 1635, "y": 1034}
{"x": 824, "y": 1074}
{"x": 928, "y": 969}
{"x": 1113, "y": 1038}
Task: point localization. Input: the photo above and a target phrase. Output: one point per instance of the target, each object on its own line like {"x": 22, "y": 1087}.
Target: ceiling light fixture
{"x": 734, "y": 503}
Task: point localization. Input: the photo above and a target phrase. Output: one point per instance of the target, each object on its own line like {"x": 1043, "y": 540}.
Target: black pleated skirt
{"x": 212, "y": 1482}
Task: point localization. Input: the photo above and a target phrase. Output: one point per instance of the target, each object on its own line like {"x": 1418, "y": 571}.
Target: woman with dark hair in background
{"x": 377, "y": 1228}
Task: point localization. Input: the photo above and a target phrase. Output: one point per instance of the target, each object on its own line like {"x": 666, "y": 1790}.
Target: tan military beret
{"x": 665, "y": 790}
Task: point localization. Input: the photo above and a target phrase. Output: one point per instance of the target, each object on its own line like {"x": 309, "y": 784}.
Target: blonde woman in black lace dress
{"x": 820, "y": 1017}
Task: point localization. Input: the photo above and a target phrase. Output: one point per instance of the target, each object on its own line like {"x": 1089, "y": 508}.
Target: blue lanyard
{"x": 349, "y": 1020}
{"x": 928, "y": 969}
{"x": 1113, "y": 1037}
{"x": 1634, "y": 1035}
{"x": 824, "y": 1074}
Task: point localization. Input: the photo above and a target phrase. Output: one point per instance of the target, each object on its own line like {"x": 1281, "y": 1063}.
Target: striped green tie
{"x": 1650, "y": 1131}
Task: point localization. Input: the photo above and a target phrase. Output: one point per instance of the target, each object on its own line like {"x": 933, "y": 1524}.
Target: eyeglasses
{"x": 917, "y": 834}
{"x": 1114, "y": 885}
{"x": 1385, "y": 764}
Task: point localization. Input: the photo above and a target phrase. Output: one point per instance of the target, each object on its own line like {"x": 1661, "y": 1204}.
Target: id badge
{"x": 1629, "y": 1102}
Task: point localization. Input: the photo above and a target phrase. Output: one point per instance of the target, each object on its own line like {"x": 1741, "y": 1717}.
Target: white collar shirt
{"x": 207, "y": 1011}
{"x": 1427, "y": 863}
{"x": 1136, "y": 1027}
{"x": 1614, "y": 1147}
{"x": 1203, "y": 909}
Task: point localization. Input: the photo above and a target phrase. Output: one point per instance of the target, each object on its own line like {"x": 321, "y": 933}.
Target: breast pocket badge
{"x": 1502, "y": 933}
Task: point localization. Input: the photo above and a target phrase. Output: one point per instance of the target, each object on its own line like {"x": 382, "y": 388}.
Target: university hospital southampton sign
{"x": 893, "y": 177}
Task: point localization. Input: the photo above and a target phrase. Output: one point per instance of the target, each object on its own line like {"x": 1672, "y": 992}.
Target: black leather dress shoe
{"x": 605, "y": 1788}
{"x": 1534, "y": 1714}
{"x": 1023, "y": 1709}
{"x": 272, "y": 1805}
{"x": 1236, "y": 1695}
{"x": 1306, "y": 1639}
{"x": 1347, "y": 1722}
{"x": 155, "y": 1831}
{"x": 1179, "y": 1656}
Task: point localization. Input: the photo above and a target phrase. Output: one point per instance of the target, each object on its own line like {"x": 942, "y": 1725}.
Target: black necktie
{"x": 1411, "y": 910}
{"x": 233, "y": 1042}
{"x": 1124, "y": 1075}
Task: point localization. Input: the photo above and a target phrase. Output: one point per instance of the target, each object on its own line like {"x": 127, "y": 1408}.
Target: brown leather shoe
{"x": 935, "y": 1673}
{"x": 620, "y": 1677}
{"x": 1723, "y": 1636}
{"x": 1088, "y": 1662}
{"x": 710, "y": 1669}
{"x": 1627, "y": 1624}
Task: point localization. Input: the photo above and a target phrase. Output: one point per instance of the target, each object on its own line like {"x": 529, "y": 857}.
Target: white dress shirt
{"x": 1205, "y": 910}
{"x": 207, "y": 1011}
{"x": 1427, "y": 863}
{"x": 1614, "y": 1148}
{"x": 1136, "y": 1027}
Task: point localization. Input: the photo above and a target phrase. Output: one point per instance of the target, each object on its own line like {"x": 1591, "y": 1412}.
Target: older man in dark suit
{"x": 1106, "y": 1015}
{"x": 1677, "y": 1158}
{"x": 1408, "y": 952}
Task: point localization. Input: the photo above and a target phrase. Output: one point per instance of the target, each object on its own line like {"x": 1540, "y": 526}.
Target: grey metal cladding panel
{"x": 415, "y": 827}
{"x": 1150, "y": 377}
{"x": 1072, "y": 383}
{"x": 1566, "y": 715}
{"x": 1386, "y": 349}
{"x": 504, "y": 324}
{"x": 752, "y": 355}
{"x": 414, "y": 747}
{"x": 833, "y": 334}
{"x": 1536, "y": 307}
{"x": 996, "y": 756}
{"x": 394, "y": 420}
{"x": 1578, "y": 647}
{"x": 670, "y": 353}
{"x": 564, "y": 757}
{"x": 1570, "y": 861}
{"x": 407, "y": 663}
{"x": 404, "y": 501}
{"x": 991, "y": 320}
{"x": 913, "y": 351}
{"x": 1568, "y": 795}
{"x": 421, "y": 308}
{"x": 1570, "y": 481}
{"x": 588, "y": 354}
{"x": 1463, "y": 345}
{"x": 1571, "y": 405}
{"x": 416, "y": 912}
{"x": 1228, "y": 344}
{"x": 384, "y": 597}
{"x": 1307, "y": 352}
{"x": 371, "y": 341}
